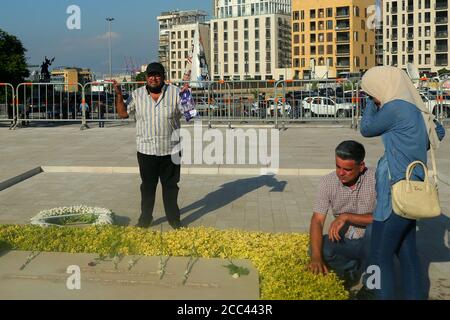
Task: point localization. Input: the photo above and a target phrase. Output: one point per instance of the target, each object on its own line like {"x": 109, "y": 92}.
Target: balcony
{"x": 441, "y": 5}
{"x": 342, "y": 13}
{"x": 394, "y": 37}
{"x": 410, "y": 22}
{"x": 441, "y": 35}
{"x": 342, "y": 53}
{"x": 410, "y": 50}
{"x": 441, "y": 62}
{"x": 394, "y": 10}
{"x": 441, "y": 20}
{"x": 342, "y": 39}
{"x": 441, "y": 48}
{"x": 343, "y": 26}
{"x": 343, "y": 63}
{"x": 410, "y": 36}
{"x": 394, "y": 50}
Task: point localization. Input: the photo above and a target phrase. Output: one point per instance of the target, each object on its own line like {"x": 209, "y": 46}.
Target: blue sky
{"x": 41, "y": 26}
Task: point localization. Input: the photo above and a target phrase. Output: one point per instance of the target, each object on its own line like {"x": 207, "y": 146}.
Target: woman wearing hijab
{"x": 396, "y": 112}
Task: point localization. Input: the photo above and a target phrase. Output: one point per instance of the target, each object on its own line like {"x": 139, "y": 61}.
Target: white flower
{"x": 104, "y": 216}
{"x": 236, "y": 276}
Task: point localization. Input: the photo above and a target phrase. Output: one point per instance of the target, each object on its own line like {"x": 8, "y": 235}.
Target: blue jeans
{"x": 397, "y": 237}
{"x": 347, "y": 256}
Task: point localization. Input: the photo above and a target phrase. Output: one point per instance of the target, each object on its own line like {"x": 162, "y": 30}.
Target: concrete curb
{"x": 18, "y": 179}
{"x": 238, "y": 171}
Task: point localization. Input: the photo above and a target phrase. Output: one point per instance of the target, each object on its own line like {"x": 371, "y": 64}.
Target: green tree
{"x": 141, "y": 77}
{"x": 443, "y": 71}
{"x": 13, "y": 66}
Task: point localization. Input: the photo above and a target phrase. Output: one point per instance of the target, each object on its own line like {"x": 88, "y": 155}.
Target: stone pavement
{"x": 249, "y": 201}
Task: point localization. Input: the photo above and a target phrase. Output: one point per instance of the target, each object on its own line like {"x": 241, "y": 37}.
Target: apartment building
{"x": 251, "y": 39}
{"x": 176, "y": 33}
{"x": 332, "y": 37}
{"x": 416, "y": 31}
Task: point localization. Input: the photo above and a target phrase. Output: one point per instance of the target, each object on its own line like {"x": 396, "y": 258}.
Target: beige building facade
{"x": 251, "y": 40}
{"x": 416, "y": 31}
{"x": 332, "y": 38}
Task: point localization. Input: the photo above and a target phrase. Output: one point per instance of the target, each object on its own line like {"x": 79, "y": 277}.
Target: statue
{"x": 45, "y": 74}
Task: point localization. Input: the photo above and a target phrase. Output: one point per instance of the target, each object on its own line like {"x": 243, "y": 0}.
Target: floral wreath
{"x": 80, "y": 214}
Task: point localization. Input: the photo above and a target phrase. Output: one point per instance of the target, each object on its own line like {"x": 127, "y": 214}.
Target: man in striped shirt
{"x": 158, "y": 111}
{"x": 350, "y": 195}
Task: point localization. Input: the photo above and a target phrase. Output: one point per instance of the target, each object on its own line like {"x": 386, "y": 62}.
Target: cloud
{"x": 105, "y": 36}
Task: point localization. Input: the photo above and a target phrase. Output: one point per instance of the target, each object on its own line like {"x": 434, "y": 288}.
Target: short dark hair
{"x": 351, "y": 150}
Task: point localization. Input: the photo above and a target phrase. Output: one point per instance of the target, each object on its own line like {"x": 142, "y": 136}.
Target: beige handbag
{"x": 417, "y": 199}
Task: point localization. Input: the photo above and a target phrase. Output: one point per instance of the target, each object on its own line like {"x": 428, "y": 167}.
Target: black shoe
{"x": 365, "y": 294}
{"x": 351, "y": 279}
{"x": 147, "y": 224}
{"x": 176, "y": 225}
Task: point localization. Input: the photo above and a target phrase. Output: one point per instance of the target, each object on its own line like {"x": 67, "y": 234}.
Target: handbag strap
{"x": 412, "y": 166}
{"x": 433, "y": 163}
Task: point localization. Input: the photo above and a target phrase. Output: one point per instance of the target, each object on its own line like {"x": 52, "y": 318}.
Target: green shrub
{"x": 281, "y": 259}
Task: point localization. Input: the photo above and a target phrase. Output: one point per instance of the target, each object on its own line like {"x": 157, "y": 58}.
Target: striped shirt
{"x": 338, "y": 198}
{"x": 156, "y": 121}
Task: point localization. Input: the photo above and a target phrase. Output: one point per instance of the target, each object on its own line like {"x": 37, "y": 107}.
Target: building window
{"x": 295, "y": 15}
{"x": 256, "y": 23}
{"x": 312, "y": 13}
{"x": 329, "y": 37}
{"x": 235, "y": 24}
{"x": 329, "y": 12}
{"x": 295, "y": 27}
{"x": 329, "y": 49}
{"x": 329, "y": 24}
{"x": 246, "y": 24}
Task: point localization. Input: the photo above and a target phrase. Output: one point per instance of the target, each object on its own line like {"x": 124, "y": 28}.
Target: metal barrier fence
{"x": 100, "y": 99}
{"x": 7, "y": 110}
{"x": 49, "y": 102}
{"x": 279, "y": 103}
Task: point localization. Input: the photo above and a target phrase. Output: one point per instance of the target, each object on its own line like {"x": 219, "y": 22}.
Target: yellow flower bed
{"x": 281, "y": 259}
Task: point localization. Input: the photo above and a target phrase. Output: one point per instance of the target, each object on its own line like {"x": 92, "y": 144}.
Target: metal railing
{"x": 218, "y": 102}
{"x": 7, "y": 102}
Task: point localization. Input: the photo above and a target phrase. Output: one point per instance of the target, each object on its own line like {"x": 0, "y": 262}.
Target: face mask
{"x": 155, "y": 90}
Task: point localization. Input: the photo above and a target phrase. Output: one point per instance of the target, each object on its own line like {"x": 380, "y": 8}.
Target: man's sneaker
{"x": 147, "y": 224}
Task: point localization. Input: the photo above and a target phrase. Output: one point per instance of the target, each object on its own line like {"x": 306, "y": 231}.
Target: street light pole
{"x": 110, "y": 47}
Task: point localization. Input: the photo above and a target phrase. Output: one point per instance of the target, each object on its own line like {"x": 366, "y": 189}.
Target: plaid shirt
{"x": 342, "y": 199}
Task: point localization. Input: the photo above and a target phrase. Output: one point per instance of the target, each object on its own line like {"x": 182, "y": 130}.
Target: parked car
{"x": 266, "y": 108}
{"x": 323, "y": 106}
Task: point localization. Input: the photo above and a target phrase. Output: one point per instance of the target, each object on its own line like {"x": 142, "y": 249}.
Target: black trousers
{"x": 153, "y": 169}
